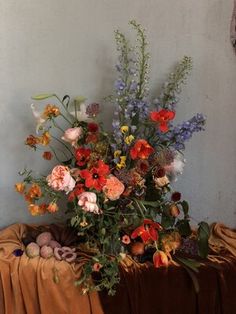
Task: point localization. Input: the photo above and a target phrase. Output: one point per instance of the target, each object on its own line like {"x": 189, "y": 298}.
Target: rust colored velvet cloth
{"x": 27, "y": 286}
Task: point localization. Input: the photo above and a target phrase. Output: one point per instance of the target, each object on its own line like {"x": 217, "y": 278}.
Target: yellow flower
{"x": 122, "y": 162}
{"x": 45, "y": 138}
{"x": 117, "y": 153}
{"x": 124, "y": 129}
{"x": 129, "y": 139}
{"x": 20, "y": 187}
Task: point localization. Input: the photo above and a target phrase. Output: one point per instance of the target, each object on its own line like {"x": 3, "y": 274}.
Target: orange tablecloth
{"x": 27, "y": 285}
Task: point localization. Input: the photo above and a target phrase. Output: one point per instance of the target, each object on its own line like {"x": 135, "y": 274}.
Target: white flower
{"x": 176, "y": 167}
{"x": 81, "y": 114}
{"x": 38, "y": 117}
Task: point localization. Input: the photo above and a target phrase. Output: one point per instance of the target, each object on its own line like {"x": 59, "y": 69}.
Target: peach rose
{"x": 60, "y": 179}
{"x": 72, "y": 135}
{"x": 87, "y": 200}
{"x": 113, "y": 188}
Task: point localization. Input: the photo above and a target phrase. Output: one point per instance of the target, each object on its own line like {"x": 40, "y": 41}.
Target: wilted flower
{"x": 51, "y": 111}
{"x": 32, "y": 141}
{"x": 45, "y": 138}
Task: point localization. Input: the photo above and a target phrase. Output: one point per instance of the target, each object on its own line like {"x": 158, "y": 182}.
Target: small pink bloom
{"x": 97, "y": 267}
{"x": 125, "y": 239}
{"x": 113, "y": 188}
{"x": 87, "y": 200}
{"x": 72, "y": 135}
{"x": 60, "y": 179}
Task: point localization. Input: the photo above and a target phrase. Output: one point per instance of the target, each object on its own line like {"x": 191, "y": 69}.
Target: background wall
{"x": 68, "y": 47}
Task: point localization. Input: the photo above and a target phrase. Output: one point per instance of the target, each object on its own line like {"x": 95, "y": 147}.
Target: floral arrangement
{"x": 118, "y": 183}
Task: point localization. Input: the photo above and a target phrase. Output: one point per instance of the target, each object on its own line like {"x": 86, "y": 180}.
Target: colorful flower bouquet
{"x": 118, "y": 184}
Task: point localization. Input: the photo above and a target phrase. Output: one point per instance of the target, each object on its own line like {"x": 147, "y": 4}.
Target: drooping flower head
{"x": 88, "y": 202}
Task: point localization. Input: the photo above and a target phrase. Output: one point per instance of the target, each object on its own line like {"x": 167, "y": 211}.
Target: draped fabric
{"x": 28, "y": 286}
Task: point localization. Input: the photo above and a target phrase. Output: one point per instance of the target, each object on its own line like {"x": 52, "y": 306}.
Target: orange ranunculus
{"x": 47, "y": 155}
{"x": 160, "y": 259}
{"x": 20, "y": 187}
{"x": 162, "y": 117}
{"x": 52, "y": 207}
{"x": 32, "y": 141}
{"x": 45, "y": 138}
{"x": 34, "y": 192}
{"x": 51, "y": 111}
{"x": 141, "y": 149}
{"x": 36, "y": 210}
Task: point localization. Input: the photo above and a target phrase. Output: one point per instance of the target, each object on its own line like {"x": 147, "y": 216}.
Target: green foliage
{"x": 203, "y": 236}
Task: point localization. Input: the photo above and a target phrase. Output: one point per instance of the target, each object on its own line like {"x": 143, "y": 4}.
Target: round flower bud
{"x": 174, "y": 210}
{"x": 176, "y": 196}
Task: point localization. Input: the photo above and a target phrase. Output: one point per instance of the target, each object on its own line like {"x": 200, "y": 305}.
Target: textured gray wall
{"x": 67, "y": 47}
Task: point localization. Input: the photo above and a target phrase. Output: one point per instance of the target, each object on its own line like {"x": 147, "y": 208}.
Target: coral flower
{"x": 34, "y": 191}
{"x": 141, "y": 149}
{"x": 20, "y": 187}
{"x": 147, "y": 231}
{"x": 82, "y": 156}
{"x": 162, "y": 118}
{"x": 113, "y": 188}
{"x": 160, "y": 259}
{"x": 96, "y": 176}
{"x": 47, "y": 155}
{"x": 97, "y": 267}
{"x": 126, "y": 239}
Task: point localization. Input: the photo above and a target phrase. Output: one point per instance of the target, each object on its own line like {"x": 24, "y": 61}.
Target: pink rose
{"x": 113, "y": 188}
{"x": 87, "y": 200}
{"x": 72, "y": 135}
{"x": 60, "y": 179}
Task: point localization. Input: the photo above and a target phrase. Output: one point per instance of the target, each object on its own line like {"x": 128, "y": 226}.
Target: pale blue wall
{"x": 68, "y": 47}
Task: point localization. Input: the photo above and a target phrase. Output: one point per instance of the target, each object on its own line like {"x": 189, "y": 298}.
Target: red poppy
{"x": 147, "y": 231}
{"x": 160, "y": 259}
{"x": 141, "y": 149}
{"x": 96, "y": 176}
{"x": 82, "y": 156}
{"x": 162, "y": 118}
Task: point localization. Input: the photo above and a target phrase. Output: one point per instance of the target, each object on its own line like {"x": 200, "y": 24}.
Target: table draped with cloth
{"x": 29, "y": 286}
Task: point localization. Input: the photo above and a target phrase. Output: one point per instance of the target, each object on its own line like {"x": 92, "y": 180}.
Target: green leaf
{"x": 184, "y": 227}
{"x": 42, "y": 96}
{"x": 190, "y": 263}
{"x": 194, "y": 279}
{"x": 167, "y": 221}
{"x": 67, "y": 162}
{"x": 185, "y": 207}
{"x": 203, "y": 236}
